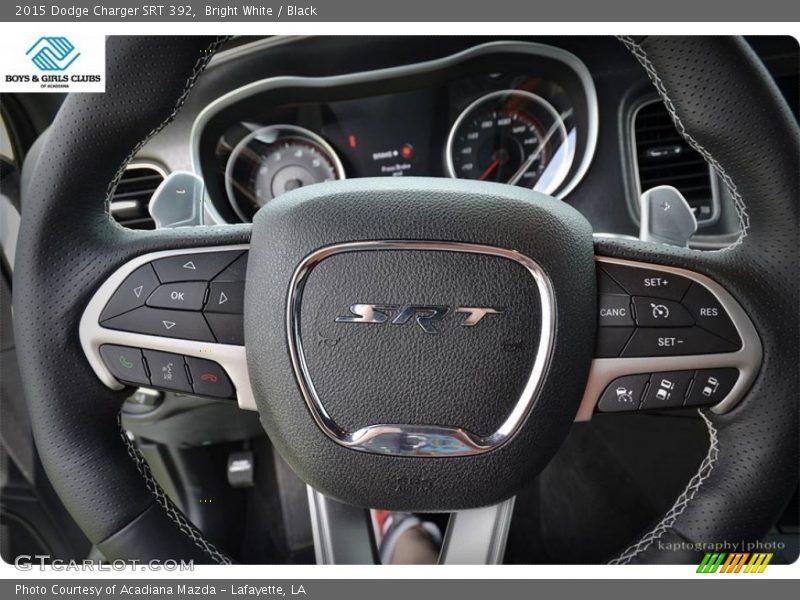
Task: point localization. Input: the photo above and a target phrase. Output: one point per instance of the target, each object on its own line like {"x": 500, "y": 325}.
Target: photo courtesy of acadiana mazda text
{"x": 383, "y": 300}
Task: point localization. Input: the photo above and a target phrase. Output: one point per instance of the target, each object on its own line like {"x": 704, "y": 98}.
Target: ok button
{"x": 188, "y": 295}
{"x": 614, "y": 310}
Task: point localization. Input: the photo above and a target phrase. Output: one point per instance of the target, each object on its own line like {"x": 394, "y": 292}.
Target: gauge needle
{"x": 494, "y": 164}
{"x": 529, "y": 161}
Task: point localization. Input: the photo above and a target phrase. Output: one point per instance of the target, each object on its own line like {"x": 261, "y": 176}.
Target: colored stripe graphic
{"x": 736, "y": 562}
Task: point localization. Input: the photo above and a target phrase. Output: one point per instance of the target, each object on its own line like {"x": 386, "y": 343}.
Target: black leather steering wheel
{"x": 722, "y": 101}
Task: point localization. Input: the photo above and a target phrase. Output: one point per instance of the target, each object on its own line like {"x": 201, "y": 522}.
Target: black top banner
{"x": 406, "y": 10}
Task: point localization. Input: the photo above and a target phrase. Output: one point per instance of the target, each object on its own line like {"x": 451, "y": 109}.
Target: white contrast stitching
{"x": 668, "y": 522}
{"x": 198, "y": 68}
{"x": 739, "y": 204}
{"x": 173, "y": 512}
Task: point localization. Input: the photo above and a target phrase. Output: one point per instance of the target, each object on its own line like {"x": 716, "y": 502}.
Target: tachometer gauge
{"x": 274, "y": 160}
{"x": 513, "y": 137}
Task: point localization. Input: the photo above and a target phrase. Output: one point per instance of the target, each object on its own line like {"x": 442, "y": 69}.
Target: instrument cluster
{"x": 513, "y": 113}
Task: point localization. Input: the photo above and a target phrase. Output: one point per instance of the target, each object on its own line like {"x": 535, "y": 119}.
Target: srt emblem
{"x": 425, "y": 315}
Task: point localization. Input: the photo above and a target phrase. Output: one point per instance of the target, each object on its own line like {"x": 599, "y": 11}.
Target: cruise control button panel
{"x": 667, "y": 339}
{"x": 194, "y": 296}
{"x": 669, "y": 315}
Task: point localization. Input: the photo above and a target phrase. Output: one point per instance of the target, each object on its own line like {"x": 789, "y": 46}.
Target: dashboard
{"x": 510, "y": 112}
{"x": 573, "y": 116}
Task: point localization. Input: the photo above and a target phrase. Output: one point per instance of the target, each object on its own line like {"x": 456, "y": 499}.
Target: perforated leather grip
{"x": 67, "y": 246}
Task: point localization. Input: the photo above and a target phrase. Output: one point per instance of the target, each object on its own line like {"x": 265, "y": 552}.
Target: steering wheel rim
{"x": 739, "y": 489}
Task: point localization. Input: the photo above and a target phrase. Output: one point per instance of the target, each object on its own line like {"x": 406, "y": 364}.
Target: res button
{"x": 709, "y": 314}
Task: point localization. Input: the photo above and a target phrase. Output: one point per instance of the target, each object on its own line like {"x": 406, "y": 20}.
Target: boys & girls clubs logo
{"x": 53, "y": 63}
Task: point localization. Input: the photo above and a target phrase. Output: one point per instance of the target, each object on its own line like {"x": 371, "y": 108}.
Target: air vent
{"x": 664, "y": 158}
{"x": 132, "y": 196}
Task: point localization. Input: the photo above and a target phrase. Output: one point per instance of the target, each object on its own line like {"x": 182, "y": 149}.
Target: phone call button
{"x": 125, "y": 363}
{"x": 208, "y": 378}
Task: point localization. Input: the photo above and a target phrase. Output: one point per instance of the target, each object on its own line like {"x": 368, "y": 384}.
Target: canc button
{"x": 614, "y": 311}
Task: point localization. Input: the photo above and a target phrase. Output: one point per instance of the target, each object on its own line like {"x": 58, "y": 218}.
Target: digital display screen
{"x": 387, "y": 136}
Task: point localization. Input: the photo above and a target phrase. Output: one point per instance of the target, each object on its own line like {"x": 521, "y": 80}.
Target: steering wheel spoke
{"x": 668, "y": 338}
{"x": 173, "y": 320}
{"x": 344, "y": 534}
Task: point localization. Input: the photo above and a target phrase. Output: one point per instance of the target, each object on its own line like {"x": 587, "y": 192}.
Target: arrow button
{"x": 132, "y": 293}
{"x": 202, "y": 266}
{"x": 226, "y": 297}
{"x": 180, "y": 324}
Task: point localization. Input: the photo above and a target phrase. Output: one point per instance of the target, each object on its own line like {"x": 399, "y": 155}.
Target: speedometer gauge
{"x": 513, "y": 137}
{"x": 274, "y": 160}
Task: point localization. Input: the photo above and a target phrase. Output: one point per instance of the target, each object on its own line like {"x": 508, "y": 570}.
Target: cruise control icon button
{"x": 657, "y": 312}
